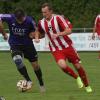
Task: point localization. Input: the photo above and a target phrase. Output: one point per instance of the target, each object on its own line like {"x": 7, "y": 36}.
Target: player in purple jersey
{"x": 22, "y": 28}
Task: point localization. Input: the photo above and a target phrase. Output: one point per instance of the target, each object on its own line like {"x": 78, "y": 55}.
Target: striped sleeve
{"x": 62, "y": 22}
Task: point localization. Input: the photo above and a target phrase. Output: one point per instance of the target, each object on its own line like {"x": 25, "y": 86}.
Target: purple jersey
{"x": 19, "y": 33}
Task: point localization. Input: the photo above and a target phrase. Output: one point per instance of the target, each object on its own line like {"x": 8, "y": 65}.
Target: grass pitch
{"x": 59, "y": 86}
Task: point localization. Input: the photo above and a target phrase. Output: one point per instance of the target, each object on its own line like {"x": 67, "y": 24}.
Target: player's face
{"x": 47, "y": 13}
{"x": 20, "y": 20}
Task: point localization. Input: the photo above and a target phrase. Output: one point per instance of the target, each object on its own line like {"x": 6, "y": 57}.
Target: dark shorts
{"x": 28, "y": 52}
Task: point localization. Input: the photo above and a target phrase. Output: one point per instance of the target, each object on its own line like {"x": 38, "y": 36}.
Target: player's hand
{"x": 93, "y": 36}
{"x": 54, "y": 36}
{"x": 32, "y": 35}
{"x": 36, "y": 40}
{"x": 5, "y": 36}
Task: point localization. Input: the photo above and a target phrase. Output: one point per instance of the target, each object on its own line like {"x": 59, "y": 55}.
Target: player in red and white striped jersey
{"x": 96, "y": 29}
{"x": 57, "y": 31}
{"x": 97, "y": 26}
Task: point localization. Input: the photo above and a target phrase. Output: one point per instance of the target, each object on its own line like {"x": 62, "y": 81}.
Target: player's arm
{"x": 34, "y": 33}
{"x": 94, "y": 28}
{"x": 4, "y": 18}
{"x": 4, "y": 34}
{"x": 64, "y": 27}
{"x": 67, "y": 31}
{"x": 39, "y": 32}
{"x": 94, "y": 31}
{"x": 32, "y": 28}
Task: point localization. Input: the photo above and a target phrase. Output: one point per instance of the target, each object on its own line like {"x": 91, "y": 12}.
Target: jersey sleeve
{"x": 5, "y": 17}
{"x": 62, "y": 22}
{"x": 69, "y": 23}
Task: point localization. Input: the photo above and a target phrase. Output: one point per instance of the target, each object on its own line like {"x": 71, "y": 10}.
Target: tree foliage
{"x": 80, "y": 12}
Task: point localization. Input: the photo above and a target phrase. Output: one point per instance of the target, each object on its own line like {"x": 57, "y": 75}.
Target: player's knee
{"x": 78, "y": 66}
{"x": 62, "y": 63}
{"x": 35, "y": 65}
{"x": 18, "y": 61}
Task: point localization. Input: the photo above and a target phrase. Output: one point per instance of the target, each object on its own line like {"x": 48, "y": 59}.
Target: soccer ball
{"x": 2, "y": 98}
{"x": 22, "y": 85}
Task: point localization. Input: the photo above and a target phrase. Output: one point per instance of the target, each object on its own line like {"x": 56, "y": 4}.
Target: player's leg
{"x": 60, "y": 59}
{"x": 83, "y": 76}
{"x": 99, "y": 50}
{"x": 38, "y": 73}
{"x": 18, "y": 60}
{"x": 75, "y": 60}
{"x": 99, "y": 55}
{"x": 31, "y": 54}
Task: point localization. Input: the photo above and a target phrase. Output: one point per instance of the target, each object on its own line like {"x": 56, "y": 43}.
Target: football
{"x": 22, "y": 85}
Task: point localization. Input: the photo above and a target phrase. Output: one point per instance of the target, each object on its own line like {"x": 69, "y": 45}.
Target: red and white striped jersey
{"x": 97, "y": 23}
{"x": 69, "y": 23}
{"x": 55, "y": 25}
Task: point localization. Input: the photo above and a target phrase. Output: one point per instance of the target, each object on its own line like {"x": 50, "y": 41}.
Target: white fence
{"x": 82, "y": 42}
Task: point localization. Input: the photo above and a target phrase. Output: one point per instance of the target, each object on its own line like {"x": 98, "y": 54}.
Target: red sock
{"x": 83, "y": 76}
{"x": 69, "y": 71}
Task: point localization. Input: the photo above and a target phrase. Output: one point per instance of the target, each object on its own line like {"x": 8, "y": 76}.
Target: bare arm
{"x": 4, "y": 34}
{"x": 94, "y": 28}
{"x": 64, "y": 26}
{"x": 2, "y": 28}
{"x": 38, "y": 36}
{"x": 67, "y": 31}
{"x": 35, "y": 35}
{"x": 94, "y": 31}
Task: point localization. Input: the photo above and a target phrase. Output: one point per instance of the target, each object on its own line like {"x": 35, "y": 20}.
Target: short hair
{"x": 47, "y": 5}
{"x": 19, "y": 12}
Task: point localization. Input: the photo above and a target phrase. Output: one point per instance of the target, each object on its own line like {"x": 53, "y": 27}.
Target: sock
{"x": 23, "y": 72}
{"x": 38, "y": 73}
{"x": 70, "y": 72}
{"x": 83, "y": 76}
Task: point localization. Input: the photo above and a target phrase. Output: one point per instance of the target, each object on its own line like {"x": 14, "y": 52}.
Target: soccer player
{"x": 22, "y": 29}
{"x": 96, "y": 29}
{"x": 57, "y": 30}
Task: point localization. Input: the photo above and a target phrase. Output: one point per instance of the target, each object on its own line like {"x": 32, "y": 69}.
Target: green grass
{"x": 59, "y": 85}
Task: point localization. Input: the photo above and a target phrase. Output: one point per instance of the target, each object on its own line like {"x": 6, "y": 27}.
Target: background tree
{"x": 80, "y": 12}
